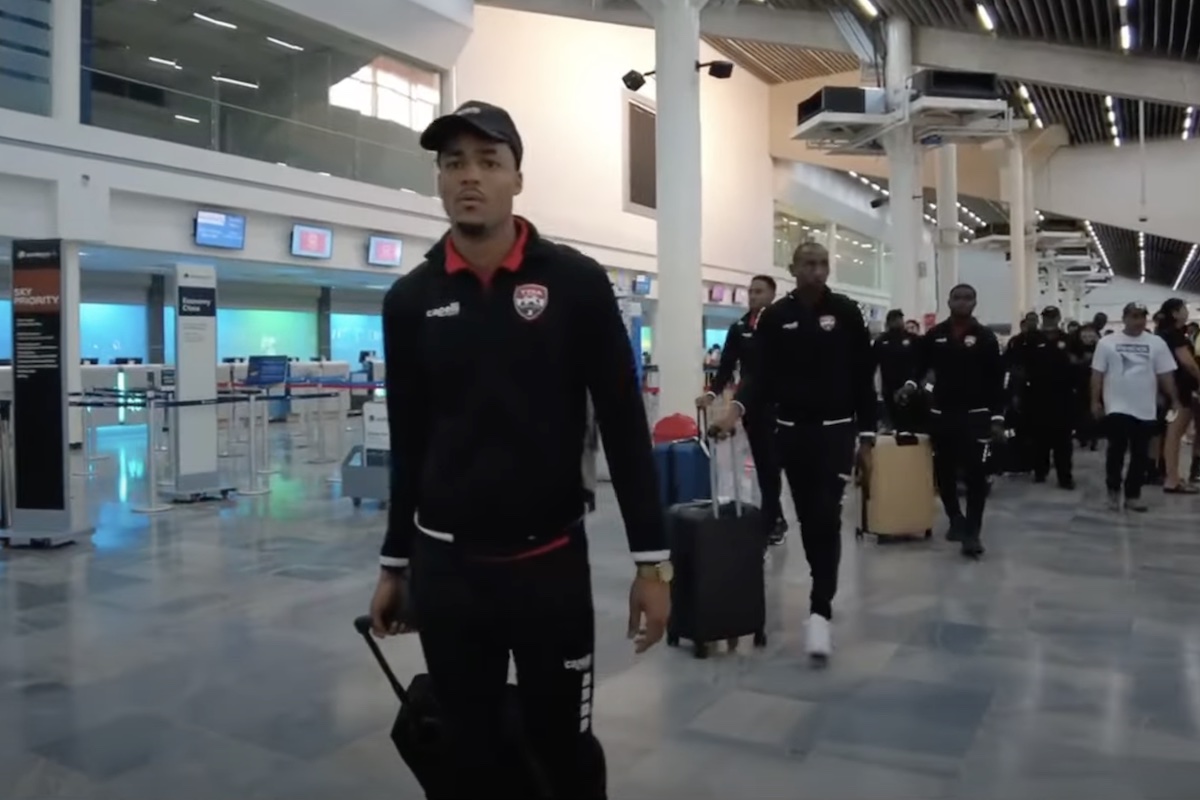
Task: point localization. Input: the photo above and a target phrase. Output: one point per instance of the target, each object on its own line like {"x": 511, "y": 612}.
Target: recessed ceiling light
{"x": 1126, "y": 38}
{"x": 220, "y": 23}
{"x": 234, "y": 82}
{"x": 166, "y": 62}
{"x": 985, "y": 18}
{"x": 185, "y": 118}
{"x": 287, "y": 45}
{"x": 868, "y": 8}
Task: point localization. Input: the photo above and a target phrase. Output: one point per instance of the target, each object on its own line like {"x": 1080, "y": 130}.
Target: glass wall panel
{"x": 350, "y": 334}
{"x": 244, "y": 332}
{"x": 791, "y": 231}
{"x": 112, "y": 330}
{"x": 25, "y": 37}
{"x": 259, "y": 83}
{"x": 857, "y": 259}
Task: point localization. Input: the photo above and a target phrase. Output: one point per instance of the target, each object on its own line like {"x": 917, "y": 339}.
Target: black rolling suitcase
{"x": 420, "y": 736}
{"x": 718, "y": 591}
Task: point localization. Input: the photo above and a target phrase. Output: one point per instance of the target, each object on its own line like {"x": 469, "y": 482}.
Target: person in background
{"x": 913, "y": 327}
{"x": 500, "y": 337}
{"x": 1174, "y": 315}
{"x": 1129, "y": 369}
{"x": 1073, "y": 329}
{"x": 740, "y": 355}
{"x": 1050, "y": 386}
{"x": 1017, "y": 352}
{"x": 1082, "y": 355}
{"x": 1155, "y": 466}
{"x": 966, "y": 410}
{"x": 1100, "y": 323}
{"x": 1191, "y": 332}
{"x": 815, "y": 367}
{"x": 896, "y": 353}
{"x": 713, "y": 357}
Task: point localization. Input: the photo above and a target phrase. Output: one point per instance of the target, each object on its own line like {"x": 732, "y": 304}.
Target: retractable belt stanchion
{"x": 322, "y": 456}
{"x": 252, "y": 483}
{"x": 264, "y": 440}
{"x": 153, "y": 504}
{"x": 339, "y": 441}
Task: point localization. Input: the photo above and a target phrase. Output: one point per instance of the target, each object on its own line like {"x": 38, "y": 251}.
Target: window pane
{"x": 392, "y": 81}
{"x": 394, "y": 108}
{"x": 643, "y": 190}
{"x": 351, "y": 94}
{"x": 422, "y": 115}
{"x": 428, "y": 92}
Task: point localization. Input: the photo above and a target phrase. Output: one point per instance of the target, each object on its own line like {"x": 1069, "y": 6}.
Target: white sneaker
{"x": 820, "y": 639}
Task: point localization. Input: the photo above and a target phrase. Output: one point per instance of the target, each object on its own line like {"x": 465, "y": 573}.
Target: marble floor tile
{"x": 207, "y": 654}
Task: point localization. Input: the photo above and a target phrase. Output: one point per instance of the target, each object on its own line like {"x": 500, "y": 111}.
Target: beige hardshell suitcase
{"x": 899, "y": 498}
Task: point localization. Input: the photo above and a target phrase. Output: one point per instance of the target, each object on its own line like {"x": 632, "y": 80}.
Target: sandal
{"x": 1183, "y": 488}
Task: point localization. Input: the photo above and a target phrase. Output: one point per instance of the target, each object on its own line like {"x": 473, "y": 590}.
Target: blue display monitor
{"x": 641, "y": 285}
{"x": 266, "y": 370}
{"x": 218, "y": 229}
{"x": 384, "y": 252}
{"x": 311, "y": 242}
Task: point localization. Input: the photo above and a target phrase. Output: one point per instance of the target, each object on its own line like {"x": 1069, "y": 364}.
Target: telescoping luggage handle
{"x": 363, "y": 626}
{"x": 710, "y": 448}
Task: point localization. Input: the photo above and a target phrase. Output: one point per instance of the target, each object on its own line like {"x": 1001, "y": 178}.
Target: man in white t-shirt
{"x": 1129, "y": 369}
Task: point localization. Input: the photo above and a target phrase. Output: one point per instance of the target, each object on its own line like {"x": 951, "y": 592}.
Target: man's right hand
{"x": 726, "y": 424}
{"x": 705, "y": 400}
{"x": 389, "y": 605}
{"x": 906, "y": 393}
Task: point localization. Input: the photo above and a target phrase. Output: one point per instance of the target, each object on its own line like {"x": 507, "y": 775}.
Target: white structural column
{"x": 1016, "y": 215}
{"x": 65, "y": 47}
{"x": 1031, "y": 246}
{"x": 906, "y": 179}
{"x": 946, "y": 243}
{"x": 72, "y": 350}
{"x": 678, "y": 333}
{"x": 832, "y": 245}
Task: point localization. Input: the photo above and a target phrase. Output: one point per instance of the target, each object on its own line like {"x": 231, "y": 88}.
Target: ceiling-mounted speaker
{"x": 950, "y": 83}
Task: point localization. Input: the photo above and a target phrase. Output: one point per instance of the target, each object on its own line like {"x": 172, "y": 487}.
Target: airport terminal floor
{"x": 207, "y": 654}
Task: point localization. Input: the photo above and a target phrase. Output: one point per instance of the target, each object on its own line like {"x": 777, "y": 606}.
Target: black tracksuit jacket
{"x": 739, "y": 353}
{"x": 814, "y": 363}
{"x": 968, "y": 369}
{"x": 487, "y": 394}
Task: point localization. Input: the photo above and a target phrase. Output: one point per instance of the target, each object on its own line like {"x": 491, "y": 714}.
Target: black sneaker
{"x": 1066, "y": 483}
{"x": 972, "y": 547}
{"x": 778, "y": 534}
{"x": 1136, "y": 504}
{"x": 957, "y": 530}
{"x": 1039, "y": 478}
{"x": 1114, "y": 501}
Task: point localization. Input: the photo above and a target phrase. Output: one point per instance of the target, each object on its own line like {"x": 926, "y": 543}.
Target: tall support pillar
{"x": 1019, "y": 254}
{"x": 831, "y": 244}
{"x": 66, "y": 38}
{"x": 678, "y": 332}
{"x": 72, "y": 346}
{"x": 946, "y": 242}
{"x": 1031, "y": 248}
{"x": 906, "y": 183}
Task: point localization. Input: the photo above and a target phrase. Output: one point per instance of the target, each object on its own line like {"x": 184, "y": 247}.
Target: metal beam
{"x": 1072, "y": 67}
{"x": 814, "y": 30}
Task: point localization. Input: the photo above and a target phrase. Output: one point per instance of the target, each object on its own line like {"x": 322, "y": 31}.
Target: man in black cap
{"x": 1050, "y": 398}
{"x": 496, "y": 343}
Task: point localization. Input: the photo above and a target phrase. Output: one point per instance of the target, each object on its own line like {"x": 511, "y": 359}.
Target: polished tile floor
{"x": 207, "y": 654}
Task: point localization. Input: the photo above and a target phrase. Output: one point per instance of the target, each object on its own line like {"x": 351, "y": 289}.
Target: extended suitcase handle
{"x": 710, "y": 448}
{"x": 363, "y": 626}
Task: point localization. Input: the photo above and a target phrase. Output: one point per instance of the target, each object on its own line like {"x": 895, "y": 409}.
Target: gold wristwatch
{"x": 663, "y": 571}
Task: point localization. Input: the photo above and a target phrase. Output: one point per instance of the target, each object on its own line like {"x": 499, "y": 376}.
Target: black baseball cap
{"x": 1051, "y": 311}
{"x": 1134, "y": 309}
{"x": 477, "y": 117}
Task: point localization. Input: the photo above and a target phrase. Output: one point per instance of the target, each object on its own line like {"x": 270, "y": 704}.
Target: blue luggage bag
{"x": 683, "y": 472}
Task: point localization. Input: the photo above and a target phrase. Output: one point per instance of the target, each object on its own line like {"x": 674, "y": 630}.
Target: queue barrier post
{"x": 264, "y": 439}
{"x": 153, "y": 503}
{"x": 322, "y": 456}
{"x": 339, "y": 440}
{"x": 253, "y": 488}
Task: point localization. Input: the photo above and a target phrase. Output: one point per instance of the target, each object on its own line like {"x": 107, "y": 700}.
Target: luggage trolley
{"x": 366, "y": 469}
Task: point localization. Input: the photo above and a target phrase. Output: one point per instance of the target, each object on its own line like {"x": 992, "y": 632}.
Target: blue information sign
{"x": 266, "y": 370}
{"x": 218, "y": 229}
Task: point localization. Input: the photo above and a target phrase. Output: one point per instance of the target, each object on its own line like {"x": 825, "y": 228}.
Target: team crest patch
{"x": 530, "y": 300}
{"x": 827, "y": 322}
{"x": 969, "y": 341}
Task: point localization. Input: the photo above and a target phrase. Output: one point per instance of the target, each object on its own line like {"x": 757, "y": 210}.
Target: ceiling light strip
{"x": 1096, "y": 240}
{"x": 1029, "y": 106}
{"x": 1189, "y": 117}
{"x": 985, "y": 18}
{"x": 1125, "y": 32}
{"x": 1110, "y": 116}
{"x": 220, "y": 23}
{"x": 1142, "y": 256}
{"x": 1188, "y": 263}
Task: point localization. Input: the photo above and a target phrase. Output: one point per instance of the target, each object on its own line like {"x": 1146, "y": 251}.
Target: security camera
{"x": 634, "y": 80}
{"x": 717, "y": 69}
{"x": 879, "y": 202}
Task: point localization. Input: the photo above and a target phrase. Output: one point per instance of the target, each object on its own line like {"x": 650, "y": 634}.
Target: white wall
{"x": 561, "y": 80}
{"x": 991, "y": 275}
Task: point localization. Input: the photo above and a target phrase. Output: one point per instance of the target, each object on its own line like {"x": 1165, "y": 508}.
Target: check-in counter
{"x": 314, "y": 373}
{"x": 111, "y": 378}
